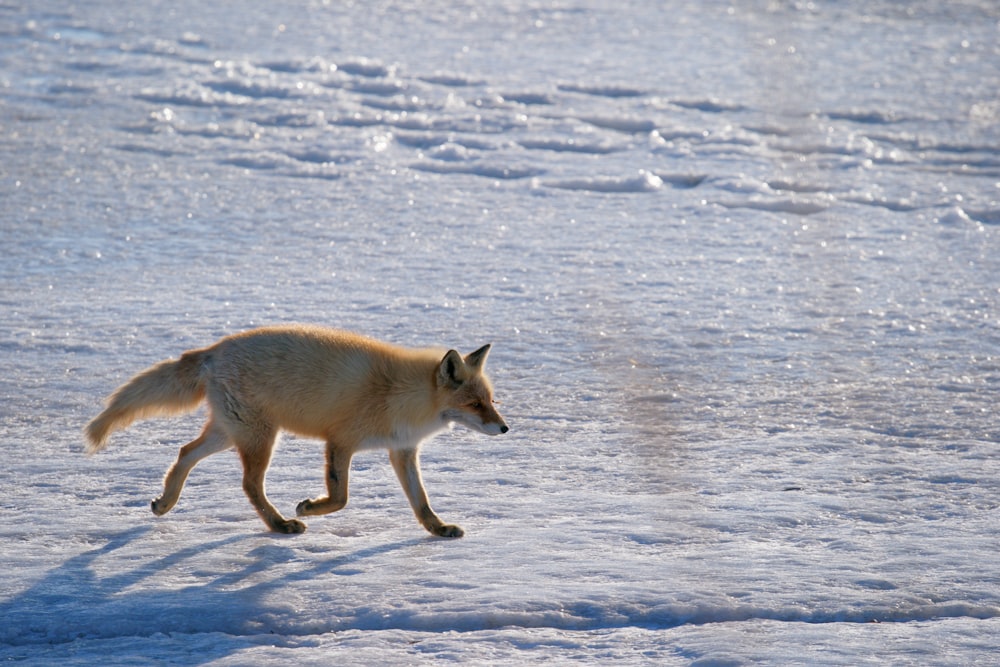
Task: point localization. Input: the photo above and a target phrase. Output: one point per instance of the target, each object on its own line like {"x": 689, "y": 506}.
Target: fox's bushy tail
{"x": 168, "y": 388}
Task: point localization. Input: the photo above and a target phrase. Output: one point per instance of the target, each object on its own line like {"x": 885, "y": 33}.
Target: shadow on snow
{"x": 75, "y": 602}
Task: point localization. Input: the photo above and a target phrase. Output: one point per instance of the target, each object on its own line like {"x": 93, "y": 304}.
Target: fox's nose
{"x": 504, "y": 429}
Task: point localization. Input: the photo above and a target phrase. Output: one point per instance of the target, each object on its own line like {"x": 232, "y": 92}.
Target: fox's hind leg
{"x": 338, "y": 469}
{"x": 255, "y": 450}
{"x": 211, "y": 440}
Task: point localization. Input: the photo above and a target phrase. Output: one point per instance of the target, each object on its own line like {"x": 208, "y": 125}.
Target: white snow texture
{"x": 739, "y": 264}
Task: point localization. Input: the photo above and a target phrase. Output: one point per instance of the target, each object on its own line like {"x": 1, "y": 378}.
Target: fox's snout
{"x": 493, "y": 423}
{"x": 495, "y": 428}
{"x": 490, "y": 424}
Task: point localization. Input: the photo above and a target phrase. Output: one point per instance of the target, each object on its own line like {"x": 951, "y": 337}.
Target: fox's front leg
{"x": 406, "y": 463}
{"x": 338, "y": 469}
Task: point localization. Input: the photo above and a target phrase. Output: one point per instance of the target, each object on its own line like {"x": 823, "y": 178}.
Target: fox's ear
{"x": 478, "y": 358}
{"x": 448, "y": 370}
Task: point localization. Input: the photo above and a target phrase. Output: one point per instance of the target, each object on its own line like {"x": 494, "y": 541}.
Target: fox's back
{"x": 314, "y": 380}
{"x": 293, "y": 353}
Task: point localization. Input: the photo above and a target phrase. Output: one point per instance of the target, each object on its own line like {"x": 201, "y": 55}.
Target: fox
{"x": 353, "y": 392}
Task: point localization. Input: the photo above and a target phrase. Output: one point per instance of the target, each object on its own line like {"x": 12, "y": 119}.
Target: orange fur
{"x": 353, "y": 392}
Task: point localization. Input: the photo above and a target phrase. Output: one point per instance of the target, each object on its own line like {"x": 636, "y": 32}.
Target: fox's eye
{"x": 475, "y": 405}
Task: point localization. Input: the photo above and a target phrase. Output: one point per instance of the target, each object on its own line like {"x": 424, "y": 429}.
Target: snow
{"x": 739, "y": 266}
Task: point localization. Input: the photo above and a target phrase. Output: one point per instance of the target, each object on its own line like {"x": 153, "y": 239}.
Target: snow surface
{"x": 740, "y": 266}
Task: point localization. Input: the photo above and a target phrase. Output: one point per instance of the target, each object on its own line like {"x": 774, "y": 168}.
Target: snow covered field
{"x": 740, "y": 265}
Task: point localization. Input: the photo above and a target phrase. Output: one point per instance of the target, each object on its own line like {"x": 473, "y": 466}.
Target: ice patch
{"x": 193, "y": 39}
{"x": 451, "y": 80}
{"x": 898, "y": 205}
{"x": 569, "y": 146}
{"x": 744, "y": 185}
{"x": 319, "y": 155}
{"x": 877, "y": 584}
{"x": 383, "y": 87}
{"x": 644, "y": 182}
{"x": 249, "y": 88}
{"x": 601, "y": 91}
{"x": 236, "y": 129}
{"x": 794, "y": 186}
{"x": 367, "y": 67}
{"x": 307, "y": 164}
{"x": 314, "y": 64}
{"x": 956, "y": 216}
{"x": 257, "y": 161}
{"x": 397, "y": 103}
{"x": 483, "y": 169}
{"x": 529, "y": 98}
{"x": 193, "y": 95}
{"x": 708, "y": 105}
{"x": 794, "y": 206}
{"x": 294, "y": 119}
{"x": 683, "y": 181}
{"x": 866, "y": 116}
{"x": 449, "y": 152}
{"x": 985, "y": 216}
{"x": 621, "y": 124}
{"x": 358, "y": 119}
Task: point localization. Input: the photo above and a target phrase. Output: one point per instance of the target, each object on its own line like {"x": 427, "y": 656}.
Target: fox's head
{"x": 469, "y": 394}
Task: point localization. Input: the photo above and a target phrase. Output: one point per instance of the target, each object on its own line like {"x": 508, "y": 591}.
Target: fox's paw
{"x": 304, "y": 508}
{"x": 448, "y": 530}
{"x": 288, "y": 526}
{"x": 160, "y": 507}
{"x": 319, "y": 506}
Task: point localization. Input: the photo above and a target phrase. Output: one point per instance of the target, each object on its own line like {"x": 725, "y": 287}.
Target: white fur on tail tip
{"x": 168, "y": 388}
{"x": 97, "y": 432}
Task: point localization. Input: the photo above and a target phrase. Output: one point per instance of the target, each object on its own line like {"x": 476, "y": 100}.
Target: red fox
{"x": 353, "y": 392}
